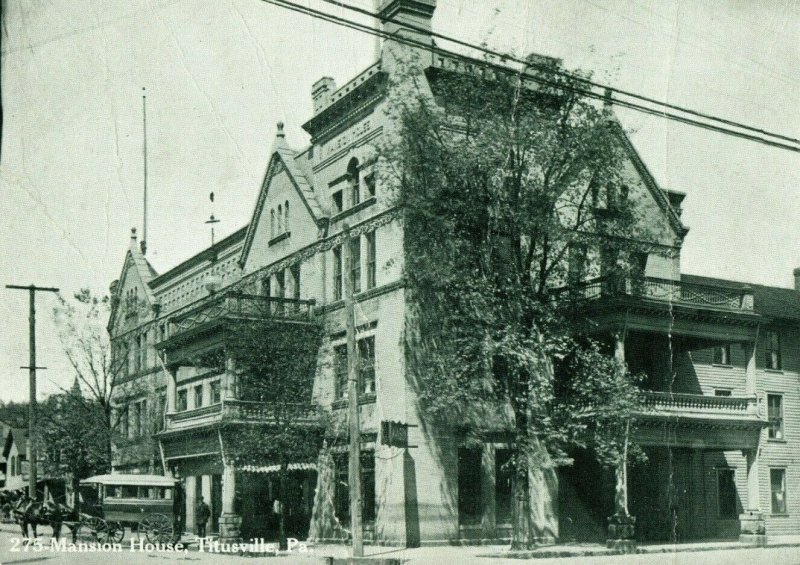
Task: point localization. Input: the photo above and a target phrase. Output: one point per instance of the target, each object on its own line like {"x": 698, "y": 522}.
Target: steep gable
{"x": 132, "y": 286}
{"x": 284, "y": 181}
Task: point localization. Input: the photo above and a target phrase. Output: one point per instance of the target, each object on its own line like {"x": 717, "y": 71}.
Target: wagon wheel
{"x": 115, "y": 532}
{"x": 100, "y": 530}
{"x": 157, "y": 528}
{"x": 93, "y": 524}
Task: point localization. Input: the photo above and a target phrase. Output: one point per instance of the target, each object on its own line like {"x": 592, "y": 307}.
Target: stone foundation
{"x": 753, "y": 528}
{"x": 230, "y": 528}
{"x": 621, "y": 533}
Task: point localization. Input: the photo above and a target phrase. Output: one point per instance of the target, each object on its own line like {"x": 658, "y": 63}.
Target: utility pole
{"x": 32, "y": 290}
{"x": 354, "y": 471}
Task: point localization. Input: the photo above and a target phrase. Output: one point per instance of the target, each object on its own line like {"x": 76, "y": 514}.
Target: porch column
{"x": 753, "y": 525}
{"x": 488, "y": 485}
{"x": 750, "y": 368}
{"x": 229, "y": 379}
{"x": 172, "y": 384}
{"x": 230, "y": 523}
{"x": 621, "y": 525}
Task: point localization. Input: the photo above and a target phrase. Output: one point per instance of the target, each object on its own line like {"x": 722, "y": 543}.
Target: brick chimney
{"x": 402, "y": 13}
{"x": 321, "y": 92}
{"x": 797, "y": 279}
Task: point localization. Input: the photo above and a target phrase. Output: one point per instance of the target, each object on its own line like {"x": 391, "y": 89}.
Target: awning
{"x": 276, "y": 468}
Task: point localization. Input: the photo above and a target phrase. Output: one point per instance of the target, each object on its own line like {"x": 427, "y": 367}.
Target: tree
{"x": 514, "y": 191}
{"x": 74, "y": 435}
{"x": 100, "y": 375}
{"x": 275, "y": 364}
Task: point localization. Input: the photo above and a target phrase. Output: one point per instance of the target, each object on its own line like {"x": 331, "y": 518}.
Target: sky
{"x": 219, "y": 74}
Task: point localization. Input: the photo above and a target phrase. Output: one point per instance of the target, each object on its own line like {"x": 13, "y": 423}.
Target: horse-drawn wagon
{"x": 146, "y": 503}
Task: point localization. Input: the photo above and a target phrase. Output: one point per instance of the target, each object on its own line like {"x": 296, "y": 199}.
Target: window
{"x": 366, "y": 365}
{"x": 722, "y": 392}
{"x": 726, "y": 494}
{"x": 198, "y": 396}
{"x": 295, "y": 270}
{"x": 355, "y": 182}
{"x": 370, "y": 239}
{"x": 341, "y": 496}
{"x": 215, "y": 392}
{"x": 19, "y": 464}
{"x": 337, "y": 273}
{"x": 469, "y": 486}
{"x": 355, "y": 264}
{"x": 369, "y": 185}
{"x": 338, "y": 202}
{"x": 182, "y": 400}
{"x": 777, "y": 481}
{"x": 340, "y": 371}
{"x": 13, "y": 465}
{"x": 286, "y": 216}
{"x": 145, "y": 345}
{"x": 272, "y": 225}
{"x": 161, "y": 408}
{"x": 123, "y": 421}
{"x": 140, "y": 418}
{"x": 775, "y": 415}
{"x": 772, "y": 350}
{"x": 280, "y": 290}
{"x": 722, "y": 355}
{"x": 280, "y": 219}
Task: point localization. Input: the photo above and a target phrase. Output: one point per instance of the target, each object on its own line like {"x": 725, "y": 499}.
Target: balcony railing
{"x": 667, "y": 290}
{"x": 238, "y": 306}
{"x": 231, "y": 410}
{"x": 699, "y": 405}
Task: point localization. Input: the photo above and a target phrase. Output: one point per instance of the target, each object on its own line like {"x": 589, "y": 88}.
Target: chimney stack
{"x": 321, "y": 92}
{"x": 409, "y": 19}
{"x": 797, "y": 279}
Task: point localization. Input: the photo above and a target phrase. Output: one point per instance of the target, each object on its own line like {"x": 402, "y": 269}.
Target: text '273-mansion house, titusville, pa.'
{"x": 722, "y": 425}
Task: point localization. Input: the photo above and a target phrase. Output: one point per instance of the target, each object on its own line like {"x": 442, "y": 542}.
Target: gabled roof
{"x": 283, "y": 158}
{"x": 659, "y": 195}
{"x": 770, "y": 301}
{"x": 18, "y": 435}
{"x": 134, "y": 259}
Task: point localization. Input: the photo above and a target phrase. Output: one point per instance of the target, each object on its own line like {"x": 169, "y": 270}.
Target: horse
{"x": 27, "y": 512}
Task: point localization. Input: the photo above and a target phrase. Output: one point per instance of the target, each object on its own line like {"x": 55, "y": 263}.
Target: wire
{"x": 588, "y": 93}
{"x": 565, "y": 74}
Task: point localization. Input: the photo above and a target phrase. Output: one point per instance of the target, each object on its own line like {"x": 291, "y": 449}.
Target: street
{"x": 12, "y": 551}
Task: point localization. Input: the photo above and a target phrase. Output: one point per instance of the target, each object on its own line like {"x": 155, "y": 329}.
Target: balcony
{"x": 699, "y": 421}
{"x": 189, "y": 325}
{"x": 241, "y": 411}
{"x": 669, "y": 291}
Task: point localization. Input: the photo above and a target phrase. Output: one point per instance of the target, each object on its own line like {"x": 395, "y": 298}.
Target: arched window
{"x": 286, "y": 216}
{"x": 13, "y": 466}
{"x": 280, "y": 219}
{"x": 272, "y": 223}
{"x": 355, "y": 182}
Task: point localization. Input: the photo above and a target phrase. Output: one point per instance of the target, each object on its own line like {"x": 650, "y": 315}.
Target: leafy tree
{"x": 73, "y": 432}
{"x": 513, "y": 192}
{"x": 99, "y": 374}
{"x": 275, "y": 363}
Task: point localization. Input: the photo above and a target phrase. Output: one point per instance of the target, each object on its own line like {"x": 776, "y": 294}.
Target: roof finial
{"x": 133, "y": 233}
{"x": 280, "y": 130}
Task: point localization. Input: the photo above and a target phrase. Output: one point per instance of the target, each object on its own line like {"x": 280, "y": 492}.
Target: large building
{"x": 720, "y": 428}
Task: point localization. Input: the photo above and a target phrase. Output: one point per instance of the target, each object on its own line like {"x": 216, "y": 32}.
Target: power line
{"x": 565, "y": 74}
{"x": 588, "y": 93}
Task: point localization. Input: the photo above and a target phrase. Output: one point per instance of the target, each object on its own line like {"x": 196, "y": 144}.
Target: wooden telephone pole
{"x": 32, "y": 290}
{"x": 354, "y": 470}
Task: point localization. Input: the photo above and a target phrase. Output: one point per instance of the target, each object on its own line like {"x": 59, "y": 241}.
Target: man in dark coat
{"x": 202, "y": 515}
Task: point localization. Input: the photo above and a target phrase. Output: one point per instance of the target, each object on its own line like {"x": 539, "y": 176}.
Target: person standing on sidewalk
{"x": 202, "y": 514}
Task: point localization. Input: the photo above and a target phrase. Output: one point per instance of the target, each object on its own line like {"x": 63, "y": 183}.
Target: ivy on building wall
{"x": 513, "y": 193}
